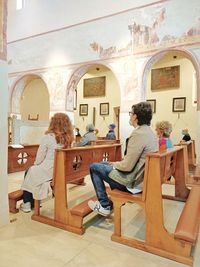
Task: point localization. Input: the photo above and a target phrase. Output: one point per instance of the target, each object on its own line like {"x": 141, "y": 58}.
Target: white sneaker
{"x": 96, "y": 206}
{"x": 134, "y": 190}
{"x": 25, "y": 207}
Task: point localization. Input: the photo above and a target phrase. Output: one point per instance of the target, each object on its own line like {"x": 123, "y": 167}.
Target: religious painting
{"x": 94, "y": 87}
{"x": 153, "y": 104}
{"x": 179, "y": 104}
{"x": 83, "y": 110}
{"x": 165, "y": 78}
{"x": 104, "y": 109}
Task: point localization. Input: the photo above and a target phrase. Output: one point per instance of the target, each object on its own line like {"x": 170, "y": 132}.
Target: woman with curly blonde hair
{"x": 36, "y": 184}
{"x": 164, "y": 129}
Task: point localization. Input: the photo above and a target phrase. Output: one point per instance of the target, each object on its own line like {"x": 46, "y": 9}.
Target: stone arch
{"x": 189, "y": 55}
{"x": 75, "y": 78}
{"x": 196, "y": 64}
{"x": 17, "y": 90}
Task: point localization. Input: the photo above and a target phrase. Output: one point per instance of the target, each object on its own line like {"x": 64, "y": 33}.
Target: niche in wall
{"x": 108, "y": 92}
{"x": 34, "y": 103}
{"x": 181, "y": 117}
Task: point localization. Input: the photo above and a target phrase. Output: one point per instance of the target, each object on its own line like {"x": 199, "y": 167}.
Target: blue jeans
{"x": 99, "y": 173}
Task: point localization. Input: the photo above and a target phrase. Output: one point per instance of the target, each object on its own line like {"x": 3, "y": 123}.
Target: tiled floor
{"x": 25, "y": 242}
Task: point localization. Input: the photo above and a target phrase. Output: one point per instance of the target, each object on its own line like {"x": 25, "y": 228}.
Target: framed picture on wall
{"x": 104, "y": 109}
{"x": 94, "y": 87}
{"x": 83, "y": 109}
{"x": 153, "y": 104}
{"x": 179, "y": 104}
{"x": 165, "y": 78}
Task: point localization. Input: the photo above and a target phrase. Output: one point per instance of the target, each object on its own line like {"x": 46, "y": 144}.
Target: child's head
{"x": 163, "y": 129}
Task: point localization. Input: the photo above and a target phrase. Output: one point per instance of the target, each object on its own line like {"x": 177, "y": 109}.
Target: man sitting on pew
{"x": 127, "y": 174}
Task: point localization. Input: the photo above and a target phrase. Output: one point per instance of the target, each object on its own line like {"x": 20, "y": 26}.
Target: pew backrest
{"x": 76, "y": 160}
{"x": 104, "y": 142}
{"x": 191, "y": 151}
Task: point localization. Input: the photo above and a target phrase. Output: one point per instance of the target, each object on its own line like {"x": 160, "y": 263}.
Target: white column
{"x": 4, "y": 214}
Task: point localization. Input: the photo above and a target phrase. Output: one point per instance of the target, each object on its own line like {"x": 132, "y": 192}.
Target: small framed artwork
{"x": 83, "y": 110}
{"x": 153, "y": 104}
{"x": 104, "y": 109}
{"x": 179, "y": 104}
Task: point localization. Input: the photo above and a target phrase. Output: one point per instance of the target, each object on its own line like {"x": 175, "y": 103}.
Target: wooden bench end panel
{"x": 13, "y": 197}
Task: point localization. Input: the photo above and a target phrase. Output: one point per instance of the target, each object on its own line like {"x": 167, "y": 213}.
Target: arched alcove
{"x": 30, "y": 98}
{"x": 29, "y": 109}
{"x": 159, "y": 55}
{"x": 93, "y": 103}
{"x": 189, "y": 81}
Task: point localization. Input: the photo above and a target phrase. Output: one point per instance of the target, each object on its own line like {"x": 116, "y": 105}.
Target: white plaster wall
{"x": 31, "y": 134}
{"x": 108, "y": 37}
{"x": 28, "y": 132}
{"x": 45, "y": 15}
{"x": 4, "y": 219}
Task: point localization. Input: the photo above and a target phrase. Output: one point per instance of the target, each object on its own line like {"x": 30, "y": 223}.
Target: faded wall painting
{"x": 94, "y": 87}
{"x": 2, "y": 29}
{"x": 142, "y": 30}
{"x": 165, "y": 78}
{"x": 152, "y": 27}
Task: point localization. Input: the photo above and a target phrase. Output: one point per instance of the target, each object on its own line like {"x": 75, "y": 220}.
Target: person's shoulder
{"x": 141, "y": 129}
{"x": 49, "y": 137}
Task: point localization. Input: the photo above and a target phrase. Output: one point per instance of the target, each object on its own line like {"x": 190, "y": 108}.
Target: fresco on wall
{"x": 138, "y": 32}
{"x": 56, "y": 83}
{"x": 72, "y": 85}
{"x": 146, "y": 38}
{"x": 2, "y": 29}
{"x": 1, "y": 26}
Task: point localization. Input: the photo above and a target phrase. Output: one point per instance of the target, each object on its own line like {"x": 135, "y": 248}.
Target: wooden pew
{"x": 176, "y": 246}
{"x": 191, "y": 151}
{"x": 70, "y": 165}
{"x": 193, "y": 178}
{"x": 20, "y": 159}
{"x": 104, "y": 142}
